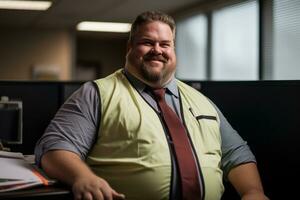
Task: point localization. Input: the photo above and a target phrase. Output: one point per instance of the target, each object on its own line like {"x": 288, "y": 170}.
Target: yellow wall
{"x": 21, "y": 50}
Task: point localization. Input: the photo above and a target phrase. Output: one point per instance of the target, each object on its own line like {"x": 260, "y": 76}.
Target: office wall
{"x": 107, "y": 54}
{"x": 20, "y": 50}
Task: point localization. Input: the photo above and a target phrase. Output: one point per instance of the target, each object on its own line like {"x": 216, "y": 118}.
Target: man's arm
{"x": 246, "y": 180}
{"x": 239, "y": 163}
{"x": 75, "y": 125}
{"x": 64, "y": 146}
{"x": 69, "y": 168}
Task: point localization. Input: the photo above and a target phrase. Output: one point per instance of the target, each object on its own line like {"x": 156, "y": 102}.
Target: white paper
{"x": 17, "y": 169}
{"x": 8, "y": 154}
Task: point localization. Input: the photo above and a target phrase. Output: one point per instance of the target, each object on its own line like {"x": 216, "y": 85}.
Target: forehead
{"x": 155, "y": 30}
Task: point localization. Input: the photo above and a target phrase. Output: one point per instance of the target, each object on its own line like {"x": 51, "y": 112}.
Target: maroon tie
{"x": 188, "y": 170}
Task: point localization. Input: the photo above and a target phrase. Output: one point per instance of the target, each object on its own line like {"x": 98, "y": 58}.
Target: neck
{"x": 153, "y": 84}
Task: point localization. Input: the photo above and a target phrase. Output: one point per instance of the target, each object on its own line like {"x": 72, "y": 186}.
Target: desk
{"x": 56, "y": 192}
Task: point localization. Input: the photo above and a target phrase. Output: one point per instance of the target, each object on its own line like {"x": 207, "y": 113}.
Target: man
{"x": 111, "y": 139}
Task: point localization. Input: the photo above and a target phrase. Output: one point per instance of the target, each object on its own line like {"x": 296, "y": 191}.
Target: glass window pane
{"x": 191, "y": 48}
{"x": 235, "y": 42}
{"x": 286, "y": 39}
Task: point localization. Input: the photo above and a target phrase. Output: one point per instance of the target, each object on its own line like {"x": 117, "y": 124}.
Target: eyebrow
{"x": 161, "y": 41}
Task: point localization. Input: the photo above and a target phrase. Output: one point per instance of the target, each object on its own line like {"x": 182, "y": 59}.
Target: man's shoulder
{"x": 87, "y": 92}
{"x": 185, "y": 86}
{"x": 111, "y": 76}
{"x": 88, "y": 87}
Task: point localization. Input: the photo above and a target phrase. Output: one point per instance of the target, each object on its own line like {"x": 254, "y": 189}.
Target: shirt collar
{"x": 140, "y": 86}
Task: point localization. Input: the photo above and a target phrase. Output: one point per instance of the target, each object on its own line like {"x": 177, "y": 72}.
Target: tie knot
{"x": 159, "y": 94}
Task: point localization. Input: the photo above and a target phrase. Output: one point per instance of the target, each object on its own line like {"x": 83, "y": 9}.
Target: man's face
{"x": 151, "y": 55}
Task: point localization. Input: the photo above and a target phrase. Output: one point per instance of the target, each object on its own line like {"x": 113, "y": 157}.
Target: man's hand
{"x": 94, "y": 188}
{"x": 70, "y": 169}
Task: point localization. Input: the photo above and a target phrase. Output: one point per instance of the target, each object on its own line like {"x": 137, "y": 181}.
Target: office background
{"x": 216, "y": 39}
{"x": 235, "y": 51}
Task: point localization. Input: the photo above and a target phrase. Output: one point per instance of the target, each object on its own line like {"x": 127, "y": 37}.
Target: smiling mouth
{"x": 154, "y": 63}
{"x": 155, "y": 60}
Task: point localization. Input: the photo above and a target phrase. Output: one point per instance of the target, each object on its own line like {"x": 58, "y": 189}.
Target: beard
{"x": 150, "y": 73}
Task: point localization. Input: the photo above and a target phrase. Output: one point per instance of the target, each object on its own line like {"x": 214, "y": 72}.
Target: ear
{"x": 128, "y": 47}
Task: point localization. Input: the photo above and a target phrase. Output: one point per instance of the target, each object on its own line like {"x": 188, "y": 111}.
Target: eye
{"x": 147, "y": 43}
{"x": 165, "y": 45}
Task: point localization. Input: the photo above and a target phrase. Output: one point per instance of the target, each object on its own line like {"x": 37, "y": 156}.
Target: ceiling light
{"x": 24, "y": 5}
{"x": 104, "y": 27}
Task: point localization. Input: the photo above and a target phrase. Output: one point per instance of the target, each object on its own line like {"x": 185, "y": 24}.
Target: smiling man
{"x": 151, "y": 55}
{"x": 142, "y": 134}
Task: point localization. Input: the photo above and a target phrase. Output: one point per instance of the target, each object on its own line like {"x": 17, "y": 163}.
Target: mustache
{"x": 151, "y": 56}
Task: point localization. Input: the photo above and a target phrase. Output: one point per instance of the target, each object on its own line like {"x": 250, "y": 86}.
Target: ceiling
{"x": 67, "y": 13}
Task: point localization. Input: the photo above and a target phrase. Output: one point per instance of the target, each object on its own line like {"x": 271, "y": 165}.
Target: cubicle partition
{"x": 265, "y": 113}
{"x": 40, "y": 101}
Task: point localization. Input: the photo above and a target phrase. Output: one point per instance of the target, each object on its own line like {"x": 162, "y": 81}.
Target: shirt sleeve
{"x": 235, "y": 150}
{"x": 75, "y": 125}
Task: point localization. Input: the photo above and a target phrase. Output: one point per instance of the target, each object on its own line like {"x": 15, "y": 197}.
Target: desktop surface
{"x": 56, "y": 192}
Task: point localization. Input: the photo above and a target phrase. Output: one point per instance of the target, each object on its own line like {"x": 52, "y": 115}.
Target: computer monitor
{"x": 11, "y": 121}
{"x": 40, "y": 102}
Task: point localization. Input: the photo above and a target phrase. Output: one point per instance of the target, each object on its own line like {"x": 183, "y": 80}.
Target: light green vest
{"x": 132, "y": 152}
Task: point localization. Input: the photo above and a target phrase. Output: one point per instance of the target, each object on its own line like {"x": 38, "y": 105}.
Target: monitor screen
{"x": 40, "y": 102}
{"x": 10, "y": 121}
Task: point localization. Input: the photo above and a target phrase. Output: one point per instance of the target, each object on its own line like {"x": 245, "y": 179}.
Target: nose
{"x": 156, "y": 49}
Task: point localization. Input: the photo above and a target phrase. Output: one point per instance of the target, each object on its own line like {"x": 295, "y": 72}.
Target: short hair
{"x": 151, "y": 16}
